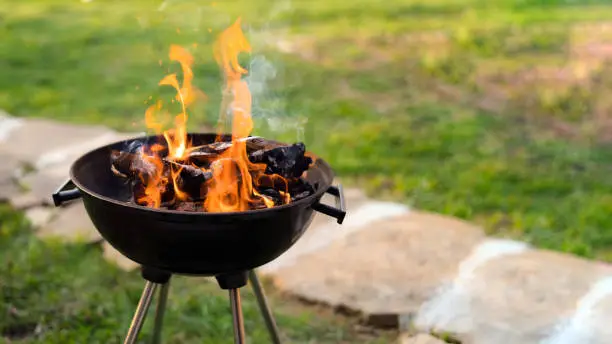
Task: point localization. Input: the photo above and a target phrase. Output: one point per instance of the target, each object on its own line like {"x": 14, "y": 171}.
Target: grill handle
{"x": 62, "y": 195}
{"x": 339, "y": 212}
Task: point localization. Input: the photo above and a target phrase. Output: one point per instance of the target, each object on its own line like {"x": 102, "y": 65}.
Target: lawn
{"x": 495, "y": 112}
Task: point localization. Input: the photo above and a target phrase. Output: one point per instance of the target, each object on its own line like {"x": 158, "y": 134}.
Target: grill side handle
{"x": 67, "y": 192}
{"x": 339, "y": 212}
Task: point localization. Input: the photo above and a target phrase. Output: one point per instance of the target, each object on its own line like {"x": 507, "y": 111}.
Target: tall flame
{"x": 176, "y": 137}
{"x": 231, "y": 188}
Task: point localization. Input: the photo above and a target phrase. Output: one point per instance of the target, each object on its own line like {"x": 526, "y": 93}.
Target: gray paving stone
{"x": 420, "y": 338}
{"x": 71, "y": 224}
{"x": 8, "y": 189}
{"x": 39, "y": 136}
{"x": 8, "y": 167}
{"x": 388, "y": 268}
{"x": 324, "y": 230}
{"x": 8, "y": 184}
{"x": 21, "y": 201}
{"x": 8, "y": 125}
{"x": 39, "y": 216}
{"x": 590, "y": 320}
{"x": 42, "y": 184}
{"x": 519, "y": 298}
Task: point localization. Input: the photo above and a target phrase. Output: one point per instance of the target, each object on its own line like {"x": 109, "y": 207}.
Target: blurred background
{"x": 496, "y": 112}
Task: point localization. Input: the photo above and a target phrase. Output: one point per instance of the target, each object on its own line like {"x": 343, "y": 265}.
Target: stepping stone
{"x": 590, "y": 319}
{"x": 384, "y": 268}
{"x": 8, "y": 185}
{"x": 8, "y": 189}
{"x": 32, "y": 138}
{"x": 517, "y": 297}
{"x": 41, "y": 185}
{"x": 39, "y": 216}
{"x": 324, "y": 229}
{"x": 8, "y": 125}
{"x": 71, "y": 224}
{"x": 420, "y": 338}
{"x": 21, "y": 201}
{"x": 115, "y": 257}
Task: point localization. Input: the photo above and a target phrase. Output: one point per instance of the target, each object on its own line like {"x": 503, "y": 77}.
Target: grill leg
{"x": 159, "y": 312}
{"x": 236, "y": 305}
{"x": 264, "y": 308}
{"x": 141, "y": 312}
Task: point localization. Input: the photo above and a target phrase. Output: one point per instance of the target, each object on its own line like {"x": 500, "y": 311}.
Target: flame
{"x": 231, "y": 188}
{"x": 176, "y": 137}
{"x": 234, "y": 176}
{"x": 186, "y": 95}
{"x": 153, "y": 181}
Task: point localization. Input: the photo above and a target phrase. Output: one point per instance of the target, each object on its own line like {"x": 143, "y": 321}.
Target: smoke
{"x": 266, "y": 76}
{"x": 269, "y": 105}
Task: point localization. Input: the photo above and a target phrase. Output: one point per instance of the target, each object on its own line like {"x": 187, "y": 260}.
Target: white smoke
{"x": 268, "y": 105}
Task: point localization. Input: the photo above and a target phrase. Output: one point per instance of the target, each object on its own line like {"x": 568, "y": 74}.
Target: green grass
{"x": 65, "y": 293}
{"x": 509, "y": 168}
{"x": 389, "y": 93}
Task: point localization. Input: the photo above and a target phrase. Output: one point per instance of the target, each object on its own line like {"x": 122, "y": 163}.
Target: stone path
{"x": 397, "y": 267}
{"x": 36, "y": 155}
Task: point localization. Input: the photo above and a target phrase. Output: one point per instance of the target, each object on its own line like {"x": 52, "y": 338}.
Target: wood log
{"x": 191, "y": 180}
{"x": 286, "y": 161}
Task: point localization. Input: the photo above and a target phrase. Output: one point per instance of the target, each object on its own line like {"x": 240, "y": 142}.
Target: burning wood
{"x": 288, "y": 162}
{"x": 245, "y": 173}
{"x": 186, "y": 180}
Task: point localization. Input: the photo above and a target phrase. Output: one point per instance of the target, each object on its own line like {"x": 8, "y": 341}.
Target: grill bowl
{"x": 192, "y": 243}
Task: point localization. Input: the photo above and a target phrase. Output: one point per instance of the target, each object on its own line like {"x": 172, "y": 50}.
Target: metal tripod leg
{"x": 159, "y": 312}
{"x": 141, "y": 312}
{"x": 264, "y": 308}
{"x": 236, "y": 306}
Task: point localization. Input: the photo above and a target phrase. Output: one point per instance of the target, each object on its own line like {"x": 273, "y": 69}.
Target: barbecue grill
{"x": 228, "y": 246}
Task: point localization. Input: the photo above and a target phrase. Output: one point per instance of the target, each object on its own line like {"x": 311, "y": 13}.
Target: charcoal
{"x": 191, "y": 179}
{"x": 202, "y": 159}
{"x": 253, "y": 143}
{"x": 287, "y": 161}
{"x": 121, "y": 163}
{"x": 272, "y": 181}
{"x": 299, "y": 189}
{"x": 167, "y": 196}
{"x": 272, "y": 194}
{"x": 280, "y": 182}
{"x": 257, "y": 204}
{"x": 130, "y": 165}
{"x": 188, "y": 206}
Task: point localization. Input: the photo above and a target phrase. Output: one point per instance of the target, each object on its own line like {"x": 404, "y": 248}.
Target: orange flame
{"x": 176, "y": 137}
{"x": 154, "y": 182}
{"x": 231, "y": 188}
{"x": 186, "y": 95}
